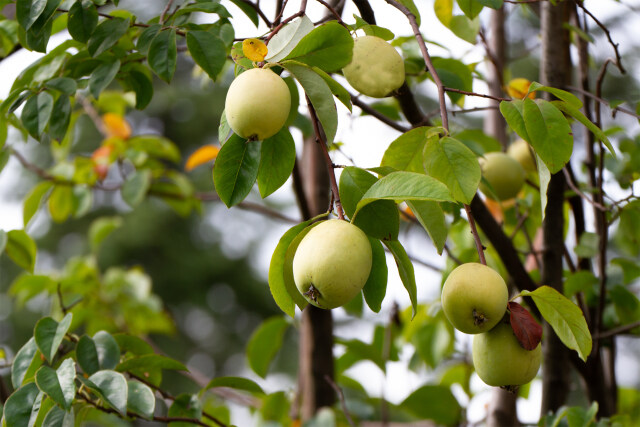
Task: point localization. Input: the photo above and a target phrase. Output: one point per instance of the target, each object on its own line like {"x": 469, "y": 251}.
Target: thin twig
{"x": 607, "y": 33}
{"x": 603, "y": 101}
{"x": 163, "y": 15}
{"x": 378, "y": 115}
{"x": 619, "y": 330}
{"x": 341, "y": 397}
{"x": 575, "y": 188}
{"x": 480, "y": 95}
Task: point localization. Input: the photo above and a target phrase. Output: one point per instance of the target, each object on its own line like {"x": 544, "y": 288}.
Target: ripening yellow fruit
{"x": 376, "y": 69}
{"x": 521, "y": 151}
{"x": 332, "y": 263}
{"x": 257, "y": 104}
{"x": 503, "y": 173}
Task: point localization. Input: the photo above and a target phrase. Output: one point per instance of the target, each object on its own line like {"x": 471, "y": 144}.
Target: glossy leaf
{"x": 265, "y": 343}
{"x": 113, "y": 388}
{"x": 27, "y": 360}
{"x": 136, "y": 186}
{"x": 236, "y": 169}
{"x": 87, "y": 355}
{"x": 435, "y": 403}
{"x": 336, "y": 88}
{"x": 17, "y": 408}
{"x": 208, "y": 51}
{"x": 277, "y": 158}
{"x": 60, "y": 118}
{"x": 107, "y": 349}
{"x": 525, "y": 327}
{"x": 405, "y": 269}
{"x": 185, "y": 406}
{"x": 237, "y": 383}
{"x": 140, "y": 399}
{"x": 65, "y": 85}
{"x": 102, "y": 76}
{"x": 328, "y": 47}
{"x": 36, "y": 113}
{"x": 59, "y": 385}
{"x": 288, "y": 37}
{"x": 28, "y": 11}
{"x": 406, "y": 152}
{"x": 320, "y": 95}
{"x": 21, "y": 249}
{"x": 451, "y": 162}
{"x": 565, "y": 318}
{"x": 146, "y": 37}
{"x": 471, "y": 8}
{"x": 567, "y": 97}
{"x": 549, "y": 133}
{"x": 106, "y": 34}
{"x": 163, "y": 54}
{"x": 376, "y": 286}
{"x": 402, "y": 186}
{"x": 58, "y": 417}
{"x": 49, "y": 334}
{"x": 431, "y": 217}
{"x": 142, "y": 86}
{"x": 379, "y": 219}
{"x": 83, "y": 20}
{"x": 34, "y": 199}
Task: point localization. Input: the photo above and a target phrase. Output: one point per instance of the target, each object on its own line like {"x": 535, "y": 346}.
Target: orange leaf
{"x": 525, "y": 327}
{"x": 201, "y": 156}
{"x": 518, "y": 88}
{"x": 116, "y": 125}
{"x": 254, "y": 49}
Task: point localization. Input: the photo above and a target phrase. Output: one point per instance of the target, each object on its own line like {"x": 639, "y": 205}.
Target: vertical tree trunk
{"x": 502, "y": 407}
{"x": 555, "y": 71}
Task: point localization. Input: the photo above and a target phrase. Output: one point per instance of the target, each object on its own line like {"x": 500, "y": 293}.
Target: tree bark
{"x": 555, "y": 71}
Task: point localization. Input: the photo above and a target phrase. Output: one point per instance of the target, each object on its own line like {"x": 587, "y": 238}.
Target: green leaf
{"x": 320, "y": 95}
{"x": 49, "y": 335}
{"x": 236, "y": 169}
{"x": 26, "y": 362}
{"x": 405, "y": 269}
{"x": 108, "y": 350}
{"x": 36, "y": 113}
{"x": 208, "y": 51}
{"x": 58, "y": 417}
{"x": 17, "y": 408}
{"x": 265, "y": 343}
{"x": 142, "y": 86}
{"x": 465, "y": 28}
{"x": 206, "y": 7}
{"x": 544, "y": 177}
{"x": 454, "y": 74}
{"x": 163, "y": 54}
{"x": 102, "y": 76}
{"x": 277, "y": 158}
{"x": 136, "y": 186}
{"x": 60, "y": 118}
{"x": 186, "y": 406}
{"x": 431, "y": 217}
{"x": 87, "y": 355}
{"x": 146, "y": 37}
{"x": 61, "y": 202}
{"x": 328, "y": 47}
{"x": 336, "y": 88}
{"x": 3, "y": 240}
{"x": 65, "y": 85}
{"x": 574, "y": 112}
{"x": 402, "y": 186}
{"x": 140, "y": 399}
{"x": 106, "y": 34}
{"x": 101, "y": 228}
{"x": 237, "y": 383}
{"x": 580, "y": 281}
{"x": 567, "y": 97}
{"x": 565, "y": 318}
{"x": 512, "y": 111}
{"x": 471, "y": 8}
{"x": 493, "y": 4}
{"x": 409, "y": 4}
{"x": 21, "y": 249}
{"x": 379, "y": 219}
{"x": 288, "y": 37}
{"x": 27, "y": 286}
{"x": 113, "y": 387}
{"x": 34, "y": 199}
{"x": 150, "y": 362}
{"x": 406, "y": 152}
{"x": 59, "y": 385}
{"x": 83, "y": 20}
{"x": 28, "y": 11}
{"x": 155, "y": 146}
{"x": 435, "y": 403}
{"x": 451, "y": 162}
{"x": 251, "y": 13}
{"x": 549, "y": 132}
{"x": 376, "y": 286}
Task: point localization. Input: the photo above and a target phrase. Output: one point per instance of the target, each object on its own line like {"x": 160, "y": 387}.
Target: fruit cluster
{"x": 474, "y": 299}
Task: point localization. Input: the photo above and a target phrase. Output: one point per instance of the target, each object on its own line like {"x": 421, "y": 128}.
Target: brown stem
{"x": 378, "y": 115}
{"x": 476, "y": 236}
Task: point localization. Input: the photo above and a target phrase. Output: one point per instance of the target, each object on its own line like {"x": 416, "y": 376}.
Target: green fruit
{"x": 500, "y": 360}
{"x": 257, "y": 104}
{"x": 332, "y": 263}
{"x": 503, "y": 173}
{"x": 376, "y": 69}
{"x": 474, "y": 298}
{"x": 521, "y": 151}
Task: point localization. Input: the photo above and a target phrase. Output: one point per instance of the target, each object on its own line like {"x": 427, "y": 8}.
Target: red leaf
{"x": 527, "y": 330}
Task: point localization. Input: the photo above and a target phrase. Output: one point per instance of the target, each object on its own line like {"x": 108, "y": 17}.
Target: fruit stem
{"x": 312, "y": 293}
{"x": 330, "y": 165}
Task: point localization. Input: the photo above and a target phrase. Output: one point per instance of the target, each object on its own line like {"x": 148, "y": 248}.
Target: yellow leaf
{"x": 254, "y": 49}
{"x": 201, "y": 156}
{"x": 518, "y": 88}
{"x": 116, "y": 125}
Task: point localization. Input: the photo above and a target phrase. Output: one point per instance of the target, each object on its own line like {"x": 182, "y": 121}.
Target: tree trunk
{"x": 555, "y": 71}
